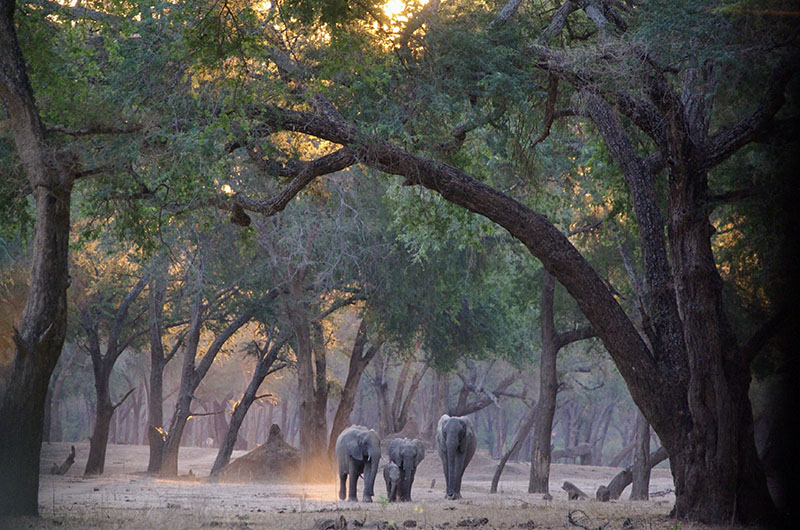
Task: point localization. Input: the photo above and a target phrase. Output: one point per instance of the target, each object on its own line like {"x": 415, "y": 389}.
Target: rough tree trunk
{"x": 641, "y": 460}
{"x": 155, "y": 402}
{"x": 98, "y": 441}
{"x": 311, "y": 379}
{"x": 40, "y": 333}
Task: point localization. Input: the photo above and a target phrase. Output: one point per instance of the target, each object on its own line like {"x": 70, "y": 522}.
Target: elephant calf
{"x": 358, "y": 450}
{"x": 456, "y": 442}
{"x": 407, "y": 454}
{"x": 391, "y": 474}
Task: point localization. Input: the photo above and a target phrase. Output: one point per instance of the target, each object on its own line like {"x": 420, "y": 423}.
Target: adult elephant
{"x": 407, "y": 454}
{"x": 456, "y": 442}
{"x": 358, "y": 450}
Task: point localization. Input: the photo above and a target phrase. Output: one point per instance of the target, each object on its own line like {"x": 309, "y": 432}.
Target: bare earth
{"x": 124, "y": 497}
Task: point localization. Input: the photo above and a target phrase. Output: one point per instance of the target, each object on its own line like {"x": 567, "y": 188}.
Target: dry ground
{"x": 126, "y": 498}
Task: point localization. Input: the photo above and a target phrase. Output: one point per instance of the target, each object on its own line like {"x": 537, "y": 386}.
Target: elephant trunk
{"x": 455, "y": 467}
{"x": 405, "y": 479}
{"x": 370, "y": 472}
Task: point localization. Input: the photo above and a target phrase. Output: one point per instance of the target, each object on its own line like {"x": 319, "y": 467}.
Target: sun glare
{"x": 394, "y": 7}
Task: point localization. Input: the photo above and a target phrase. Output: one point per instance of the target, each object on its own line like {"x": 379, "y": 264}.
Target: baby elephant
{"x": 391, "y": 474}
{"x": 406, "y": 454}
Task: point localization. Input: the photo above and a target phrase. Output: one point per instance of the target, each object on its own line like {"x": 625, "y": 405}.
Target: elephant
{"x": 358, "y": 450}
{"x": 391, "y": 474}
{"x": 407, "y": 454}
{"x": 456, "y": 442}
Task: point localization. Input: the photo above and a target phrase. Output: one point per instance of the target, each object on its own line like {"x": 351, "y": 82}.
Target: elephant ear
{"x": 420, "y": 451}
{"x": 356, "y": 451}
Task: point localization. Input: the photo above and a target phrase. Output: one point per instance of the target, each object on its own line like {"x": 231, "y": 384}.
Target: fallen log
{"x": 583, "y": 449}
{"x": 63, "y": 468}
{"x": 573, "y": 491}
{"x": 625, "y": 477}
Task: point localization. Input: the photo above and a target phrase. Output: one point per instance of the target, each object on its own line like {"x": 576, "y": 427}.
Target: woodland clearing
{"x": 124, "y": 497}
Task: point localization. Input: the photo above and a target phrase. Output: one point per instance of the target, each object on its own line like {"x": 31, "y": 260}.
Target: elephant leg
{"x": 342, "y": 486}
{"x": 369, "y": 484}
{"x": 458, "y": 473}
{"x": 354, "y": 472}
{"x": 410, "y": 483}
{"x": 448, "y": 491}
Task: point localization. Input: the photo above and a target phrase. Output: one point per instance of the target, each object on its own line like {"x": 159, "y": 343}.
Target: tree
{"x": 266, "y": 358}
{"x": 552, "y": 342}
{"x": 106, "y": 339}
{"x": 40, "y": 333}
{"x": 677, "y": 380}
{"x": 360, "y": 357}
{"x": 207, "y": 302}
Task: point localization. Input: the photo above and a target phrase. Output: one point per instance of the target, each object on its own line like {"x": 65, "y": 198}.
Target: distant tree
{"x": 110, "y": 320}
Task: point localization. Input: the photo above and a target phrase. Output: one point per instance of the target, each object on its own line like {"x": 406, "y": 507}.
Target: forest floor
{"x": 124, "y": 497}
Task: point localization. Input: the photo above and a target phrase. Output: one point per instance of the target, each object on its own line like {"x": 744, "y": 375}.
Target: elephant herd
{"x": 358, "y": 452}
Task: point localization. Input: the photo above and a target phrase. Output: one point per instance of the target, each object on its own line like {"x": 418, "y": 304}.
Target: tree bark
{"x": 192, "y": 374}
{"x": 359, "y": 359}
{"x": 523, "y": 430}
{"x": 548, "y": 387}
{"x": 264, "y": 367}
{"x": 311, "y": 377}
{"x": 625, "y": 477}
{"x": 40, "y": 334}
{"x": 552, "y": 342}
{"x": 155, "y": 402}
{"x": 641, "y": 464}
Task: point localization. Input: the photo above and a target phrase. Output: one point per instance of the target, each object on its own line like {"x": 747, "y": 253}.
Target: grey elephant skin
{"x": 358, "y": 451}
{"x": 391, "y": 475}
{"x": 407, "y": 454}
{"x": 456, "y": 443}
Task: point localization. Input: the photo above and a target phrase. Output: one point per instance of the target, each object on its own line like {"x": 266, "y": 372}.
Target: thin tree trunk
{"x": 522, "y": 433}
{"x": 359, "y": 359}
{"x": 264, "y": 367}
{"x": 641, "y": 465}
{"x": 155, "y": 402}
{"x": 548, "y": 387}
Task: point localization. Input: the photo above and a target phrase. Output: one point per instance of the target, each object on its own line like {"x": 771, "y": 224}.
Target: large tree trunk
{"x": 312, "y": 381}
{"x": 548, "y": 387}
{"x": 40, "y": 334}
{"x": 169, "y": 456}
